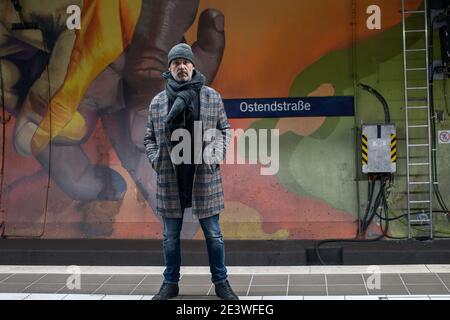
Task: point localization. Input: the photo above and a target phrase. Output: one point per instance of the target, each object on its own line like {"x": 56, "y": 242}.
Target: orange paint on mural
{"x": 268, "y": 45}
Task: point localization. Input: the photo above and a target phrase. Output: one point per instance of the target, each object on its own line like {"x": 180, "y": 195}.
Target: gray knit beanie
{"x": 181, "y": 50}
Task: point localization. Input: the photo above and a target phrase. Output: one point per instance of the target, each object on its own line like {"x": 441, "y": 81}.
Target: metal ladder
{"x": 417, "y": 121}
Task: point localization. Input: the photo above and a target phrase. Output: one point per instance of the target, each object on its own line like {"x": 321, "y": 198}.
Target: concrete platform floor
{"x": 377, "y": 282}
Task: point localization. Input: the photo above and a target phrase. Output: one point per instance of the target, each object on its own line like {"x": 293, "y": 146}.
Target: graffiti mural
{"x": 75, "y": 104}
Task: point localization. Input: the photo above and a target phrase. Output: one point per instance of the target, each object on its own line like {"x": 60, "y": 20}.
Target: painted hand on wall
{"x": 119, "y": 96}
{"x": 144, "y": 61}
{"x": 129, "y": 76}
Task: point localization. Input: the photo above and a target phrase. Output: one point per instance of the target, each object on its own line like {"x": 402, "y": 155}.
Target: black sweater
{"x": 185, "y": 171}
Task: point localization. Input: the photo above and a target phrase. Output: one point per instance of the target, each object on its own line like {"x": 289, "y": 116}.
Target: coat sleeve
{"x": 225, "y": 129}
{"x": 151, "y": 147}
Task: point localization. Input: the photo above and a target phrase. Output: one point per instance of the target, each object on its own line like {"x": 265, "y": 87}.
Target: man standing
{"x": 187, "y": 104}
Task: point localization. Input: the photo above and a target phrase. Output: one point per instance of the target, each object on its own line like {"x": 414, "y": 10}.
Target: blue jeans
{"x": 214, "y": 243}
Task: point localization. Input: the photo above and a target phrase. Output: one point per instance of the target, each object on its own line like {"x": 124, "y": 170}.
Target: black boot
{"x": 224, "y": 291}
{"x": 167, "y": 291}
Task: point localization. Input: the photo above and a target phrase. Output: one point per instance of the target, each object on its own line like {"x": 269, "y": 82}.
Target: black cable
{"x": 385, "y": 185}
{"x": 387, "y": 220}
{"x": 385, "y": 230}
{"x": 387, "y": 116}
{"x": 371, "y": 188}
{"x": 383, "y": 194}
{"x": 444, "y": 91}
{"x": 433, "y": 119}
{"x": 364, "y": 222}
{"x": 320, "y": 243}
{"x": 371, "y": 211}
{"x": 384, "y": 215}
{"x": 385, "y": 210}
{"x": 386, "y": 181}
{"x": 400, "y": 216}
{"x": 376, "y": 205}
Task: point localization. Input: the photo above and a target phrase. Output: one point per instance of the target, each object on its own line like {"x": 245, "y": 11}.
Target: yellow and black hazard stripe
{"x": 365, "y": 149}
{"x": 393, "y": 148}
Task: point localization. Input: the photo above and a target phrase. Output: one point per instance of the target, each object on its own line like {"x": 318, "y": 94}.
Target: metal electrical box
{"x": 378, "y": 148}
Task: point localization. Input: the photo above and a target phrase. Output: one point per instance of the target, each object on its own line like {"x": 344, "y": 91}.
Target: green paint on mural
{"x": 325, "y": 167}
{"x": 323, "y": 164}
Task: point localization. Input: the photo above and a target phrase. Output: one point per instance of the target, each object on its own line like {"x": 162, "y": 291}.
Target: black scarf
{"x": 182, "y": 96}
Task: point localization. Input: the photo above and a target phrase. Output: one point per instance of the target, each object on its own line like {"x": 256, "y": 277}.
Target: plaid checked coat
{"x": 207, "y": 192}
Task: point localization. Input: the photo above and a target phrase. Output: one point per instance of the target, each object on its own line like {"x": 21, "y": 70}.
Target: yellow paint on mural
{"x": 107, "y": 28}
{"x": 240, "y": 222}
